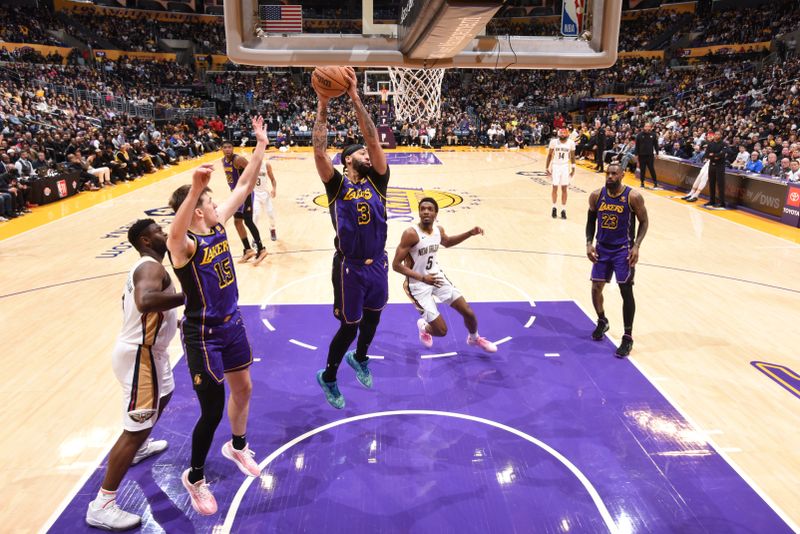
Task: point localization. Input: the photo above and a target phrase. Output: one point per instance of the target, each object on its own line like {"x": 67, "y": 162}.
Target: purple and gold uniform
{"x": 212, "y": 331}
{"x": 232, "y": 175}
{"x": 360, "y": 265}
{"x": 615, "y": 234}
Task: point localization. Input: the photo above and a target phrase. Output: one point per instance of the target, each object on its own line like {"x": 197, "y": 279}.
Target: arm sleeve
{"x": 591, "y": 225}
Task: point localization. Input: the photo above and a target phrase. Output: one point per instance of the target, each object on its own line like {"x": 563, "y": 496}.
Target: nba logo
{"x": 572, "y": 17}
{"x": 62, "y": 188}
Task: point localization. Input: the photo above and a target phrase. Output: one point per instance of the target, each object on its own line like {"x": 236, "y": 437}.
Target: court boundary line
{"x": 230, "y": 517}
{"x": 709, "y": 440}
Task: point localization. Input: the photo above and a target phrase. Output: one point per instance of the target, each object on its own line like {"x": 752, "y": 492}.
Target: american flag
{"x": 281, "y": 19}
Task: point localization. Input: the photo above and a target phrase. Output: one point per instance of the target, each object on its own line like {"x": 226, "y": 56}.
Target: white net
{"x": 417, "y": 93}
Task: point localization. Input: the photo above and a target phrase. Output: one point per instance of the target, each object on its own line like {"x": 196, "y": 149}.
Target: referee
{"x": 646, "y": 147}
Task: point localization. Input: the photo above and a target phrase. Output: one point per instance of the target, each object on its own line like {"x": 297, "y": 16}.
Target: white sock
{"x": 555, "y": 206}
{"x": 473, "y": 336}
{"x": 104, "y": 497}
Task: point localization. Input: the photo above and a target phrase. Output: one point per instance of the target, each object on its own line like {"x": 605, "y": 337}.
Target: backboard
{"x": 433, "y": 34}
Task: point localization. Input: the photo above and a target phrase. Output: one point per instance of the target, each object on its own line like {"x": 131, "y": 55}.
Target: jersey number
{"x": 561, "y": 155}
{"x": 364, "y": 215}
{"x": 430, "y": 263}
{"x": 224, "y": 272}
{"x": 609, "y": 222}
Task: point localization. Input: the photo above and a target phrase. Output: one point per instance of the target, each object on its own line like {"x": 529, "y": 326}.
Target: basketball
{"x": 330, "y": 81}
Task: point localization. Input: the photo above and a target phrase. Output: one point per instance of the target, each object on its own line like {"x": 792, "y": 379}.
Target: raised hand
{"x": 259, "y": 130}
{"x": 202, "y": 175}
{"x": 352, "y": 91}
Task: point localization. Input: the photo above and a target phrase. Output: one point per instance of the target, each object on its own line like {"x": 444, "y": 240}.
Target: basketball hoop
{"x": 417, "y": 93}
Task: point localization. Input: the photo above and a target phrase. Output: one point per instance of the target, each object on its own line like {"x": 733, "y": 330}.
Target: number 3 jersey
{"x": 209, "y": 280}
{"x": 358, "y": 214}
{"x": 616, "y": 224}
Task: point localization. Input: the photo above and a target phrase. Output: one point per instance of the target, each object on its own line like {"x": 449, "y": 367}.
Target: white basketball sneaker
{"x": 149, "y": 448}
{"x": 424, "y": 337}
{"x": 110, "y": 517}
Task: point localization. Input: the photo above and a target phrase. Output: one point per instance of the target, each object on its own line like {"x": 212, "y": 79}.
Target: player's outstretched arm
{"x": 376, "y": 155}
{"x": 179, "y": 245}
{"x": 247, "y": 181}
{"x": 147, "y": 289}
{"x": 451, "y": 241}
{"x": 319, "y": 139}
{"x": 637, "y": 203}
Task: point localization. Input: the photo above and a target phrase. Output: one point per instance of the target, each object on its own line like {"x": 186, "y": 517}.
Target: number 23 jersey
{"x": 358, "y": 214}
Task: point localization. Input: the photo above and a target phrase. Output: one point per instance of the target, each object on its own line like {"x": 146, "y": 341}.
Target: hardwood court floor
{"x": 713, "y": 295}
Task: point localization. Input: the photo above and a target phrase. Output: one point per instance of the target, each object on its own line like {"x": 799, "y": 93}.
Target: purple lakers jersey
{"x": 209, "y": 280}
{"x": 231, "y": 172}
{"x": 358, "y": 214}
{"x": 615, "y": 218}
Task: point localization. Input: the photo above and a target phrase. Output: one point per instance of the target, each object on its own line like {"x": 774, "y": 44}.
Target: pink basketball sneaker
{"x": 243, "y": 459}
{"x": 203, "y": 500}
{"x": 483, "y": 343}
{"x": 425, "y": 338}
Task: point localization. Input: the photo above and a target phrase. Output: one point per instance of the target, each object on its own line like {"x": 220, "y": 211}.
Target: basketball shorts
{"x": 612, "y": 259}
{"x": 145, "y": 376}
{"x": 560, "y": 174}
{"x": 425, "y": 296}
{"x": 212, "y": 351}
{"x": 246, "y": 208}
{"x": 359, "y": 285}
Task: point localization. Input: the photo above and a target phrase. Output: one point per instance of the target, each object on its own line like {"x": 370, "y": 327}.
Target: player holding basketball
{"x": 141, "y": 364}
{"x": 415, "y": 258}
{"x": 560, "y": 166}
{"x": 617, "y": 249}
{"x": 213, "y": 333}
{"x": 233, "y": 164}
{"x": 360, "y": 264}
{"x": 263, "y": 195}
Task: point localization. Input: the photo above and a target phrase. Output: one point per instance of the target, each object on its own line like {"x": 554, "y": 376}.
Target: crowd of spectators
{"x": 22, "y": 25}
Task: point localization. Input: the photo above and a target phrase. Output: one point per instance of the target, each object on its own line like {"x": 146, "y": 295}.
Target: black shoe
{"x": 691, "y": 199}
{"x": 624, "y": 347}
{"x": 720, "y": 207}
{"x": 563, "y": 214}
{"x": 273, "y": 235}
{"x": 709, "y": 205}
{"x": 554, "y": 213}
{"x": 599, "y": 332}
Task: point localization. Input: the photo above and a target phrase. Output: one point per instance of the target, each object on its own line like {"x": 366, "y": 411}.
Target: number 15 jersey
{"x": 209, "y": 280}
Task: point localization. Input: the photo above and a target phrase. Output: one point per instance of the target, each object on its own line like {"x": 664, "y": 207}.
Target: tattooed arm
{"x": 367, "y": 127}
{"x": 319, "y": 138}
